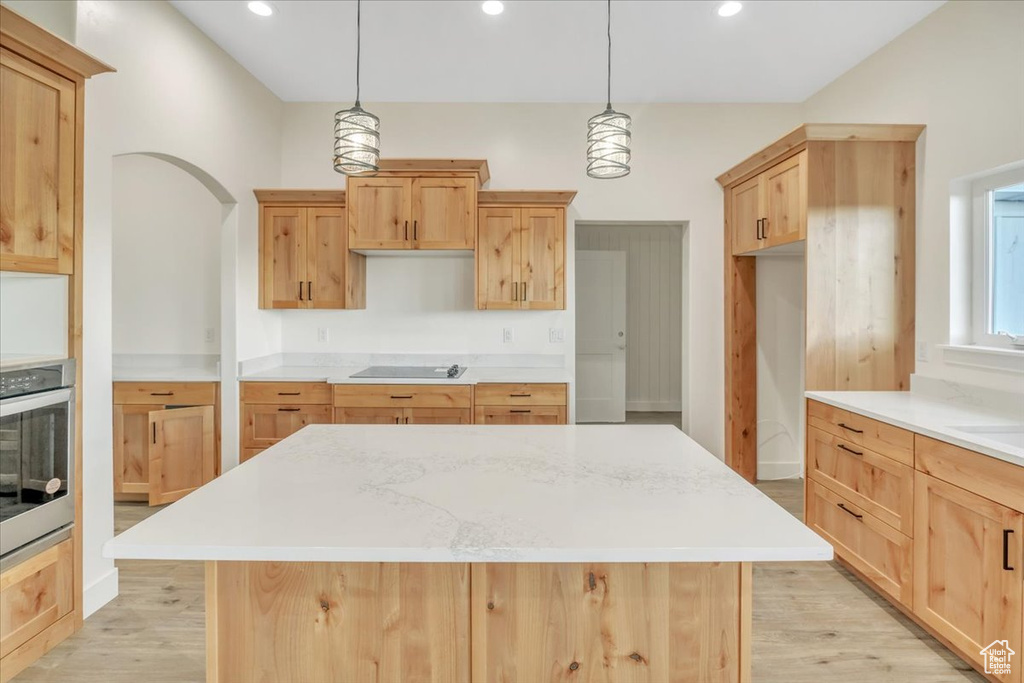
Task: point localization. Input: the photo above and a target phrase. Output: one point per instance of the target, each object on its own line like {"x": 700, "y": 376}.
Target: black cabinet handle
{"x": 851, "y": 429}
{"x": 300, "y": 290}
{"x": 410, "y": 396}
{"x": 523, "y": 288}
{"x": 758, "y": 228}
{"x": 764, "y": 228}
{"x": 1006, "y": 549}
{"x": 846, "y": 509}
{"x": 288, "y": 410}
{"x": 515, "y": 291}
{"x": 309, "y": 289}
{"x": 520, "y": 395}
{"x": 154, "y": 441}
{"x": 519, "y": 411}
{"x": 415, "y": 224}
{"x": 289, "y": 393}
{"x": 397, "y": 420}
{"x": 850, "y": 450}
{"x": 407, "y": 230}
{"x": 161, "y": 393}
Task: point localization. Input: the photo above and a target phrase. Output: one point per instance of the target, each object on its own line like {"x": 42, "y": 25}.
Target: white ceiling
{"x": 553, "y": 50}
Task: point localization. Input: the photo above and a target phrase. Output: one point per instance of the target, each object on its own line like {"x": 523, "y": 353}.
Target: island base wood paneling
{"x": 293, "y": 622}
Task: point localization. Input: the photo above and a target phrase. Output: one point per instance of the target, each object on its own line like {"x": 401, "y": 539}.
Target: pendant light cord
{"x": 609, "y": 54}
{"x": 359, "y": 33}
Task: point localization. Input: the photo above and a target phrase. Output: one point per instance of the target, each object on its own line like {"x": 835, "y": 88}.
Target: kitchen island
{"x": 477, "y": 553}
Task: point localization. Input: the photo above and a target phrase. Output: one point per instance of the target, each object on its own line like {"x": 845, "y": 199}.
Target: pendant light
{"x": 608, "y": 133}
{"x": 356, "y": 131}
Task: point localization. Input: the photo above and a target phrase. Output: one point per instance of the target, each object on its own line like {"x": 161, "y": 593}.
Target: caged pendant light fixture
{"x": 356, "y": 131}
{"x": 608, "y": 133}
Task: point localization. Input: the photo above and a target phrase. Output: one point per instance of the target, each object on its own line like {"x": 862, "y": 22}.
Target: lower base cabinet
{"x": 35, "y": 595}
{"x": 165, "y": 440}
{"x": 959, "y": 571}
{"x": 521, "y": 404}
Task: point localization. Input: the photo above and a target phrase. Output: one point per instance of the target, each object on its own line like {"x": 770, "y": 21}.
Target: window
{"x": 998, "y": 279}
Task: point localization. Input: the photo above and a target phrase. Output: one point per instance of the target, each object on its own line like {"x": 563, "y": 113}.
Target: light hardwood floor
{"x": 813, "y": 622}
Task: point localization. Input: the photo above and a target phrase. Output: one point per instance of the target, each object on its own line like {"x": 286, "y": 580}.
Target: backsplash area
{"x": 34, "y": 311}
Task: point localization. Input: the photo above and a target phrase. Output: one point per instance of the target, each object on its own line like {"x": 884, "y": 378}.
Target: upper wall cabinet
{"x": 304, "y": 257}
{"x": 520, "y": 256}
{"x": 415, "y": 204}
{"x": 770, "y": 209}
{"x": 41, "y": 118}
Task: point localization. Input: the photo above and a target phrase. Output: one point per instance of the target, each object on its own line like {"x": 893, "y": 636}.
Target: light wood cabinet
{"x": 403, "y": 404}
{"x": 521, "y": 258}
{"x": 437, "y": 416}
{"x": 842, "y": 196}
{"x": 304, "y": 257}
{"x": 35, "y": 595}
{"x": 165, "y": 439}
{"x": 521, "y": 404}
{"x": 412, "y": 213}
{"x": 968, "y": 568}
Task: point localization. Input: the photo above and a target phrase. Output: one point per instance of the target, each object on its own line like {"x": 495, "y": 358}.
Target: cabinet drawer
{"x": 402, "y": 396}
{"x": 511, "y": 415}
{"x": 35, "y": 594}
{"x": 880, "y": 485}
{"x": 165, "y": 393}
{"x": 265, "y": 425}
{"x": 521, "y": 394}
{"x": 292, "y": 393}
{"x": 989, "y": 477}
{"x": 880, "y": 437}
{"x": 879, "y": 552}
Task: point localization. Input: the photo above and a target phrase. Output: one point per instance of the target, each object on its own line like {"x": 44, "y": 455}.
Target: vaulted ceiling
{"x": 553, "y": 50}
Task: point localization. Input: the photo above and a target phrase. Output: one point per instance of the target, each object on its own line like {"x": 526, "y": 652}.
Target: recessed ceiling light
{"x": 263, "y": 9}
{"x": 728, "y": 9}
{"x": 493, "y": 7}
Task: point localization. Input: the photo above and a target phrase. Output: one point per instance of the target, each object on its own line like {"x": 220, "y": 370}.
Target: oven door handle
{"x": 23, "y": 404}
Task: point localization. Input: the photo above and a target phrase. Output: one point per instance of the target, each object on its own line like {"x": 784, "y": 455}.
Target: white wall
{"x": 678, "y": 150}
{"x": 56, "y": 16}
{"x": 780, "y": 366}
{"x": 33, "y": 314}
{"x": 175, "y": 93}
{"x": 654, "y": 308}
{"x": 166, "y": 260}
{"x": 949, "y": 72}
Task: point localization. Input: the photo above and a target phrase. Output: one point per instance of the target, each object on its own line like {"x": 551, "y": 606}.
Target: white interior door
{"x": 601, "y": 336}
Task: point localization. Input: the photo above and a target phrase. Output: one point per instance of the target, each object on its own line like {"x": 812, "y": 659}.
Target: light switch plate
{"x": 508, "y": 335}
{"x": 922, "y": 351}
{"x": 323, "y": 335}
{"x": 210, "y": 335}
{"x": 556, "y": 335}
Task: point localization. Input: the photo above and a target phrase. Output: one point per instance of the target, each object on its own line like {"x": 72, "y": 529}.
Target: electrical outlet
{"x": 323, "y": 335}
{"x": 508, "y": 335}
{"x": 922, "y": 351}
{"x": 210, "y": 335}
{"x": 556, "y": 335}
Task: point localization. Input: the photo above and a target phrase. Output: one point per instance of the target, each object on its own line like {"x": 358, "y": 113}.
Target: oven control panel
{"x": 22, "y": 381}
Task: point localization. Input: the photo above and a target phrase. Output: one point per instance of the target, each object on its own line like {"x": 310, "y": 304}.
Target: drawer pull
{"x": 1006, "y": 549}
{"x": 289, "y": 393}
{"x": 161, "y": 393}
{"x": 409, "y": 396}
{"x": 852, "y": 429}
{"x": 520, "y": 395}
{"x": 288, "y": 410}
{"x": 846, "y": 509}
{"x": 519, "y": 411}
{"x": 850, "y": 450}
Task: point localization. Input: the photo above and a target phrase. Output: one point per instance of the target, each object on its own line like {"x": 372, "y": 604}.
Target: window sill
{"x": 984, "y": 357}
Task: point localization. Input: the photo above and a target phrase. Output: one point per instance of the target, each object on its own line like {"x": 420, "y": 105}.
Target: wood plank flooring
{"x": 813, "y": 622}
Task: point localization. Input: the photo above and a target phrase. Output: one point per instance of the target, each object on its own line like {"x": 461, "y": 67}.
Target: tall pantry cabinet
{"x": 845, "y": 195}
{"x": 42, "y": 138}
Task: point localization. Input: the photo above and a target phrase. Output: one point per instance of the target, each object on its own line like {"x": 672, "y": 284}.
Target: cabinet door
{"x": 542, "y": 285}
{"x": 444, "y": 213}
{"x": 182, "y": 453}
{"x": 497, "y": 259}
{"x": 510, "y": 415}
{"x": 963, "y": 587}
{"x": 785, "y": 201}
{"x": 438, "y": 416}
{"x": 263, "y": 425}
{"x": 37, "y": 168}
{"x": 744, "y": 214}
{"x": 379, "y": 213}
{"x": 131, "y": 448}
{"x": 327, "y": 255}
{"x": 369, "y": 416}
{"x": 35, "y": 594}
{"x": 284, "y": 257}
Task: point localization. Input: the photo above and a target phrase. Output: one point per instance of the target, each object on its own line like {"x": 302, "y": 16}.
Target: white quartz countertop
{"x": 342, "y": 375}
{"x": 977, "y": 429}
{"x": 436, "y": 493}
{"x": 182, "y": 374}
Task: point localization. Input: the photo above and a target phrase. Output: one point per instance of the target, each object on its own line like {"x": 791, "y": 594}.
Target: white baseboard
{"x": 779, "y": 470}
{"x": 654, "y": 406}
{"x": 99, "y": 592}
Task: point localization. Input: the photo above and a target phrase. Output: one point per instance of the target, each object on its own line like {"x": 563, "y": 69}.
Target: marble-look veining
{"x": 939, "y": 417}
{"x": 434, "y": 493}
